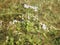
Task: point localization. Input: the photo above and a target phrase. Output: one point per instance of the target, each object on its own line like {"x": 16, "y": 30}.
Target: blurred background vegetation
{"x": 24, "y": 26}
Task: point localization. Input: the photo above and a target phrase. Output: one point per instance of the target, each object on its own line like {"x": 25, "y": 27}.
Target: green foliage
{"x": 23, "y": 26}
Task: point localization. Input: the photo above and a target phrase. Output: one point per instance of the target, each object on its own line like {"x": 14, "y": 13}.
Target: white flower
{"x": 26, "y": 6}
{"x": 15, "y": 21}
{"x": 32, "y": 7}
{"x": 44, "y": 26}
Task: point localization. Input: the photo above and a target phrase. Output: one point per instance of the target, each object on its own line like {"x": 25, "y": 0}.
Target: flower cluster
{"x": 32, "y": 7}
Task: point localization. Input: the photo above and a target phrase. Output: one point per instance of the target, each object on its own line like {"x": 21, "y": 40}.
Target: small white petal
{"x": 26, "y": 6}
{"x": 32, "y": 7}
{"x": 14, "y": 20}
{"x": 44, "y": 26}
